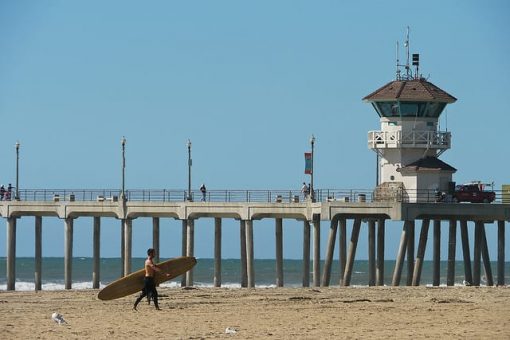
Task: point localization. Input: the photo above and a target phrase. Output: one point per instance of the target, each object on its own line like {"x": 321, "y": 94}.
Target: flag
{"x": 308, "y": 163}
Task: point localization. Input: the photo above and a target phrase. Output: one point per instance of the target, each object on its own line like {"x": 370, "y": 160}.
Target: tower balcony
{"x": 409, "y": 139}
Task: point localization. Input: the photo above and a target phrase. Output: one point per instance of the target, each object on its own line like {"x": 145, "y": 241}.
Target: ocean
{"x": 265, "y": 273}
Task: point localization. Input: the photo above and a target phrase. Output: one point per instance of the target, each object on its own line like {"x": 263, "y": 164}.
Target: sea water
{"x": 52, "y": 273}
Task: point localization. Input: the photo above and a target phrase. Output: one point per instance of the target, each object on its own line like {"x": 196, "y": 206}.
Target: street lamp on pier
{"x": 312, "y": 193}
{"x": 123, "y": 193}
{"x": 16, "y": 197}
{"x": 189, "y": 198}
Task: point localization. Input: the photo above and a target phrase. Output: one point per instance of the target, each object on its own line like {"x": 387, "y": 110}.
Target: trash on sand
{"x": 230, "y": 330}
{"x": 58, "y": 318}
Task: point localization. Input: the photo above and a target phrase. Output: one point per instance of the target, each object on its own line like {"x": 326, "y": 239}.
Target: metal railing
{"x": 432, "y": 139}
{"x": 263, "y": 196}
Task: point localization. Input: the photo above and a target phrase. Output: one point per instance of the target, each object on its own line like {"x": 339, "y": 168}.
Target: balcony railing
{"x": 415, "y": 139}
{"x": 262, "y": 196}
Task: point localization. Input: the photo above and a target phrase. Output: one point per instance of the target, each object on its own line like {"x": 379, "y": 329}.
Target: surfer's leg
{"x": 142, "y": 295}
{"x": 154, "y": 294}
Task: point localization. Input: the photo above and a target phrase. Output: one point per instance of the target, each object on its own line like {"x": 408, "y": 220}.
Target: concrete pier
{"x": 337, "y": 212}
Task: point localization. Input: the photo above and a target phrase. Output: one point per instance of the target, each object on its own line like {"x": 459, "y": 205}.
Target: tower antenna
{"x": 398, "y": 63}
{"x": 406, "y": 45}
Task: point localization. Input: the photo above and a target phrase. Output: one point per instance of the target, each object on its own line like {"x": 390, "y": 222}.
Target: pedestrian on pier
{"x": 203, "y": 190}
{"x": 8, "y": 194}
{"x": 304, "y": 190}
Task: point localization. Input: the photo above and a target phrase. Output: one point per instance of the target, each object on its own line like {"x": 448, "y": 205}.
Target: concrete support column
{"x": 452, "y": 245}
{"x": 501, "y": 253}
{"x": 371, "y": 252}
{"x": 38, "y": 253}
{"x": 68, "y": 253}
{"x": 190, "y": 248}
{"x": 486, "y": 259}
{"x": 342, "y": 248}
{"x": 436, "y": 253}
{"x": 279, "y": 251}
{"x": 96, "y": 253}
{"x": 316, "y": 252}
{"x": 122, "y": 247}
{"x": 217, "y": 252}
{"x": 155, "y": 238}
{"x": 184, "y": 227}
{"x": 477, "y": 253}
{"x": 349, "y": 265}
{"x": 422, "y": 244}
{"x": 306, "y": 254}
{"x": 411, "y": 239}
{"x": 379, "y": 274}
{"x": 468, "y": 275}
{"x": 249, "y": 254}
{"x": 244, "y": 270}
{"x": 397, "y": 272}
{"x": 326, "y": 273}
{"x": 11, "y": 253}
{"x": 128, "y": 241}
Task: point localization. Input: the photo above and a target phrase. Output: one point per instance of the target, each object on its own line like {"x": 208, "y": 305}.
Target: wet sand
{"x": 277, "y": 313}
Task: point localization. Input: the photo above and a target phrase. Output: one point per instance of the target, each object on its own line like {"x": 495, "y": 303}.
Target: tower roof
{"x": 410, "y": 90}
{"x": 429, "y": 163}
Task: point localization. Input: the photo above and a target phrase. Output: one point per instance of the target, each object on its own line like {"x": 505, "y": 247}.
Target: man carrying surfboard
{"x": 149, "y": 286}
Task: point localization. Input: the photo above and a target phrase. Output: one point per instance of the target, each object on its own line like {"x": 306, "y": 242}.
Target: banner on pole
{"x": 308, "y": 163}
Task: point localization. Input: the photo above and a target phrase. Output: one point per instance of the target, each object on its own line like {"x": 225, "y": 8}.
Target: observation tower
{"x": 409, "y": 143}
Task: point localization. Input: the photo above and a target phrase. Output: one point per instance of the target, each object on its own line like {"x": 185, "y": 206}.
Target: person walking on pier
{"x": 203, "y": 190}
{"x": 304, "y": 190}
{"x": 149, "y": 286}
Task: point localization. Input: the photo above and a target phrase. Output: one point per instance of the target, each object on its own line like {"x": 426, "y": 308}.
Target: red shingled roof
{"x": 410, "y": 90}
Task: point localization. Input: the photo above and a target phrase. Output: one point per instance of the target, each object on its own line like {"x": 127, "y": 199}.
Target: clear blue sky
{"x": 248, "y": 83}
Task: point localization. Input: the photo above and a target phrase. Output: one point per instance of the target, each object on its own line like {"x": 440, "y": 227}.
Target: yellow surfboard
{"x": 133, "y": 282}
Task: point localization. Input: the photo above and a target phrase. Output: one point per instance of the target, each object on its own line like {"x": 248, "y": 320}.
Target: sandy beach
{"x": 299, "y": 313}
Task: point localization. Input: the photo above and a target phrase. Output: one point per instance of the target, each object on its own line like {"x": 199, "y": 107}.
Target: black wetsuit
{"x": 149, "y": 290}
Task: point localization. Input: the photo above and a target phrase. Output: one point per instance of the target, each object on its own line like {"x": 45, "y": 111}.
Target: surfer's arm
{"x": 153, "y": 266}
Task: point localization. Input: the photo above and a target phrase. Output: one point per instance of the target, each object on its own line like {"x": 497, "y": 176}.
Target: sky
{"x": 248, "y": 83}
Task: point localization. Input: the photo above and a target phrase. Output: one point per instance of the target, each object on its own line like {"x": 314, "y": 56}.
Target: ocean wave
{"x": 52, "y": 286}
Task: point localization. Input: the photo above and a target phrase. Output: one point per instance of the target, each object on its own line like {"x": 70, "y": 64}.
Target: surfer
{"x": 149, "y": 286}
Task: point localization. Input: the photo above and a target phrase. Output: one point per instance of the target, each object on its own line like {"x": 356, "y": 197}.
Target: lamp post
{"x": 123, "y": 193}
{"x": 312, "y": 194}
{"x": 16, "y": 197}
{"x": 189, "y": 198}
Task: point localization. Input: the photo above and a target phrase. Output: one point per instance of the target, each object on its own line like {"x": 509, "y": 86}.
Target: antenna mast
{"x": 406, "y": 45}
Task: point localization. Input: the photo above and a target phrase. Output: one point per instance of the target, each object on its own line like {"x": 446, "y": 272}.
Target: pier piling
{"x": 38, "y": 253}
{"x": 279, "y": 251}
{"x": 217, "y": 252}
{"x": 436, "y": 253}
{"x": 68, "y": 253}
{"x": 351, "y": 252}
{"x": 96, "y": 252}
{"x": 380, "y": 252}
{"x": 306, "y": 254}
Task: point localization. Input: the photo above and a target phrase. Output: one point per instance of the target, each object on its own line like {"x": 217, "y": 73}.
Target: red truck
{"x": 473, "y": 193}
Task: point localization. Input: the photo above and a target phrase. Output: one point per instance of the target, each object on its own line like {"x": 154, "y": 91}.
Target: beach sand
{"x": 277, "y": 313}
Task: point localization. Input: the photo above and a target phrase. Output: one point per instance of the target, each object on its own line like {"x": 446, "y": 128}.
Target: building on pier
{"x": 409, "y": 143}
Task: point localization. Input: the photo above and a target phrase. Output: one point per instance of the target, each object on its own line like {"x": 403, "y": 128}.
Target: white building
{"x": 409, "y": 142}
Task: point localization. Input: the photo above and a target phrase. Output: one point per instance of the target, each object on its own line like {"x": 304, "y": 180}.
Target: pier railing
{"x": 263, "y": 196}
